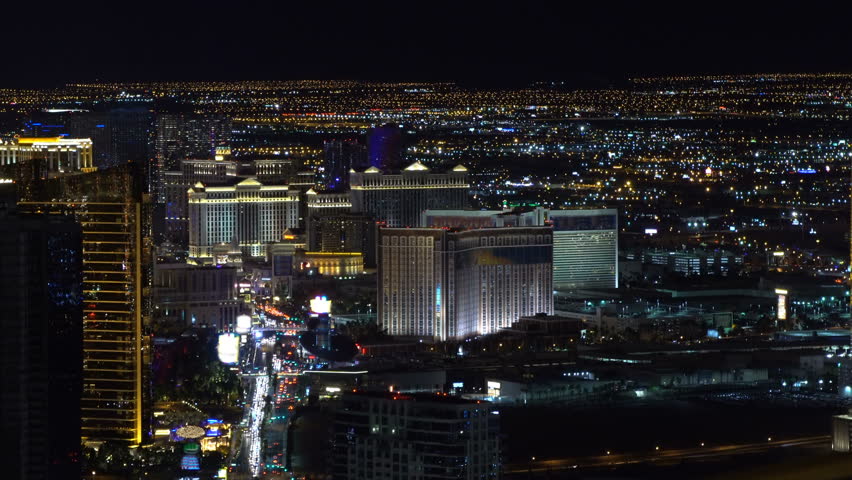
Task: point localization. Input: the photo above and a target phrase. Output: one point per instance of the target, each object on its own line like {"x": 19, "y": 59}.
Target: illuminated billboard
{"x": 190, "y": 462}
{"x": 228, "y": 348}
{"x": 782, "y": 303}
{"x": 243, "y": 324}
{"x": 320, "y": 304}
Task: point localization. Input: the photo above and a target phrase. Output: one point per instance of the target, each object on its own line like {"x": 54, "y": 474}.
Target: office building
{"x": 115, "y": 277}
{"x": 57, "y": 155}
{"x": 414, "y": 436}
{"x": 196, "y": 296}
{"x": 447, "y": 284}
{"x": 248, "y": 216}
{"x": 585, "y": 248}
{"x": 41, "y": 349}
{"x": 341, "y": 156}
{"x": 692, "y": 262}
{"x": 399, "y": 199}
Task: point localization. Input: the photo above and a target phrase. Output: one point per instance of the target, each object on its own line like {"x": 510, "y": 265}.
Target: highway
{"x": 661, "y": 456}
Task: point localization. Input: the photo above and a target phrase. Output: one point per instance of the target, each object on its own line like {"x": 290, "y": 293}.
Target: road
{"x": 661, "y": 456}
{"x": 260, "y": 450}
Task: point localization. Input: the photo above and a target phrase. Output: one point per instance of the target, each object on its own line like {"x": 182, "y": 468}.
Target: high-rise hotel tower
{"x": 106, "y": 205}
{"x": 451, "y": 284}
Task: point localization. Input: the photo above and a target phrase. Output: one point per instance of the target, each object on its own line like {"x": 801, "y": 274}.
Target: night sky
{"x": 493, "y": 43}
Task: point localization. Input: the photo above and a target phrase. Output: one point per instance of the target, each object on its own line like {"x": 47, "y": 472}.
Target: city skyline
{"x": 287, "y": 242}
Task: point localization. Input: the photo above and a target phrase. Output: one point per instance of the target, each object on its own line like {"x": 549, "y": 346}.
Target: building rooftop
{"x": 442, "y": 398}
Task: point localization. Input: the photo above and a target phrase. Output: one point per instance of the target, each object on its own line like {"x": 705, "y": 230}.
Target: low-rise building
{"x": 188, "y": 295}
{"x": 415, "y": 436}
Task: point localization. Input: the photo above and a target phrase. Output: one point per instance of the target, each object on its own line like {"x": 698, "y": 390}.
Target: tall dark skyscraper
{"x": 131, "y": 134}
{"x": 119, "y": 134}
{"x": 76, "y": 124}
{"x": 341, "y": 156}
{"x": 384, "y": 146}
{"x": 180, "y": 136}
{"x": 41, "y": 349}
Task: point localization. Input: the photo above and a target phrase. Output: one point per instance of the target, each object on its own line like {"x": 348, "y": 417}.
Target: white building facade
{"x": 454, "y": 284}
{"x": 248, "y": 215}
{"x": 61, "y": 155}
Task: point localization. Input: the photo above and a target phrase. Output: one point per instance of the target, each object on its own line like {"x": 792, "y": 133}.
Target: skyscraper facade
{"x": 384, "y": 146}
{"x": 186, "y": 135}
{"x": 341, "y": 156}
{"x": 585, "y": 241}
{"x": 41, "y": 350}
{"x": 114, "y": 278}
{"x": 452, "y": 284}
{"x": 344, "y": 232}
{"x": 399, "y": 199}
{"x": 195, "y": 296}
{"x": 175, "y": 187}
{"x": 181, "y": 136}
{"x": 585, "y": 248}
{"x": 248, "y": 215}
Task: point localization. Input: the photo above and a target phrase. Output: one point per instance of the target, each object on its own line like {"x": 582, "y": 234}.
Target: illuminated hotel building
{"x": 61, "y": 155}
{"x": 248, "y": 214}
{"x": 323, "y": 203}
{"x": 448, "y": 284}
{"x": 585, "y": 248}
{"x": 175, "y": 186}
{"x": 344, "y": 232}
{"x": 585, "y": 241}
{"x": 113, "y": 281}
{"x": 332, "y": 227}
{"x": 399, "y": 199}
{"x": 333, "y": 264}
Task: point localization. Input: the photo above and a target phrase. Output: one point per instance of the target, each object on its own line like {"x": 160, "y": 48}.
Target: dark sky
{"x": 494, "y": 42}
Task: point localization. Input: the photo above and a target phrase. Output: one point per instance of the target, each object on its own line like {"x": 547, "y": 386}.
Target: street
{"x": 269, "y": 377}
